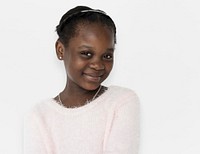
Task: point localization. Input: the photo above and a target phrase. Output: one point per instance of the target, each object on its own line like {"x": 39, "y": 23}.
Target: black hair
{"x": 70, "y": 21}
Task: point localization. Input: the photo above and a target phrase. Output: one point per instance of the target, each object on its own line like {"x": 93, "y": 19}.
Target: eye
{"x": 108, "y": 56}
{"x": 86, "y": 54}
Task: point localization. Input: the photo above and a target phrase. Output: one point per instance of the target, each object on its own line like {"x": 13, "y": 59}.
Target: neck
{"x": 77, "y": 96}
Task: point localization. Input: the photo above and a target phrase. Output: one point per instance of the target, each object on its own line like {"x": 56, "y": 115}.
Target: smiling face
{"x": 88, "y": 57}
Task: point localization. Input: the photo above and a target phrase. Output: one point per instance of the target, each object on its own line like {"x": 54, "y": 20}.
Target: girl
{"x": 86, "y": 117}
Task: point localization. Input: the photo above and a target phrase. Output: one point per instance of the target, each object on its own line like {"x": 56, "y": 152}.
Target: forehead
{"x": 93, "y": 33}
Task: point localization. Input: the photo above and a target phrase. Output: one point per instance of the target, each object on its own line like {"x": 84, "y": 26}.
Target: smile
{"x": 92, "y": 77}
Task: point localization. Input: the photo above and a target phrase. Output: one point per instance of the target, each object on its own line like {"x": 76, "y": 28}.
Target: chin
{"x": 91, "y": 87}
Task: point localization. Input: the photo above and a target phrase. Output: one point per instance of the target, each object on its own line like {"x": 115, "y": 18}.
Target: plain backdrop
{"x": 157, "y": 55}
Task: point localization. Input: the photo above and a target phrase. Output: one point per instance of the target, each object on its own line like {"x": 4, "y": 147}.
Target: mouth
{"x": 93, "y": 77}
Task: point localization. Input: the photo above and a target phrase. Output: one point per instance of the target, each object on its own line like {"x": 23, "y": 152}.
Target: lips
{"x": 93, "y": 77}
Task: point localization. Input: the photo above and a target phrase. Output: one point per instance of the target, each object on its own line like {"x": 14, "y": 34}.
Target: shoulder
{"x": 40, "y": 109}
{"x": 123, "y": 95}
{"x": 118, "y": 91}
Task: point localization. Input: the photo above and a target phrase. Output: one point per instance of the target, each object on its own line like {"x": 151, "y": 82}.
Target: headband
{"x": 83, "y": 11}
{"x": 98, "y": 11}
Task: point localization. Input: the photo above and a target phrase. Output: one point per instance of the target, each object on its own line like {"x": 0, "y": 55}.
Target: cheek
{"x": 109, "y": 66}
{"x": 74, "y": 65}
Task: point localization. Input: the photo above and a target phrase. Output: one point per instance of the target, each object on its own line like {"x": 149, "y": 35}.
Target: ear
{"x": 60, "y": 48}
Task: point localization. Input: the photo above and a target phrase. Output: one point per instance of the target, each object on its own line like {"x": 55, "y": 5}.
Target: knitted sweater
{"x": 107, "y": 125}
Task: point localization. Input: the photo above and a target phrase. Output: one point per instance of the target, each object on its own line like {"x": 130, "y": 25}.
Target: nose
{"x": 97, "y": 65}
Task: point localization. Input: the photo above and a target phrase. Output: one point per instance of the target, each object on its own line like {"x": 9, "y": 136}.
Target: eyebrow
{"x": 85, "y": 46}
{"x": 89, "y": 47}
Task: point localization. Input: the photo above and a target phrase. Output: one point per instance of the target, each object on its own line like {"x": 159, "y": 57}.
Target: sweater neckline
{"x": 77, "y": 110}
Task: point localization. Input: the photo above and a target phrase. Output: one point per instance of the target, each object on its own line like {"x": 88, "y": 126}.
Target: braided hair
{"x": 69, "y": 24}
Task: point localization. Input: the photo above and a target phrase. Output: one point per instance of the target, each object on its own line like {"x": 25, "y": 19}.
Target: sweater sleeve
{"x": 33, "y": 143}
{"x": 124, "y": 132}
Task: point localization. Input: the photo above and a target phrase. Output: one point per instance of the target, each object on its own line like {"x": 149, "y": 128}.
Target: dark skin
{"x": 88, "y": 60}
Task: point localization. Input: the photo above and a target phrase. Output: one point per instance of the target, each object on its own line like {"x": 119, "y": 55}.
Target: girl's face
{"x": 88, "y": 58}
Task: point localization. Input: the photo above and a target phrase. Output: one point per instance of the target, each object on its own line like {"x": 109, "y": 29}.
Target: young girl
{"x": 86, "y": 117}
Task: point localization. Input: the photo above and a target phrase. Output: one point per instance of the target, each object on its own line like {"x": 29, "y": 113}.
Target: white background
{"x": 157, "y": 55}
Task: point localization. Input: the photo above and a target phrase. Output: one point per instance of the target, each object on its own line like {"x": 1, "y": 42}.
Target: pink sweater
{"x": 107, "y": 125}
